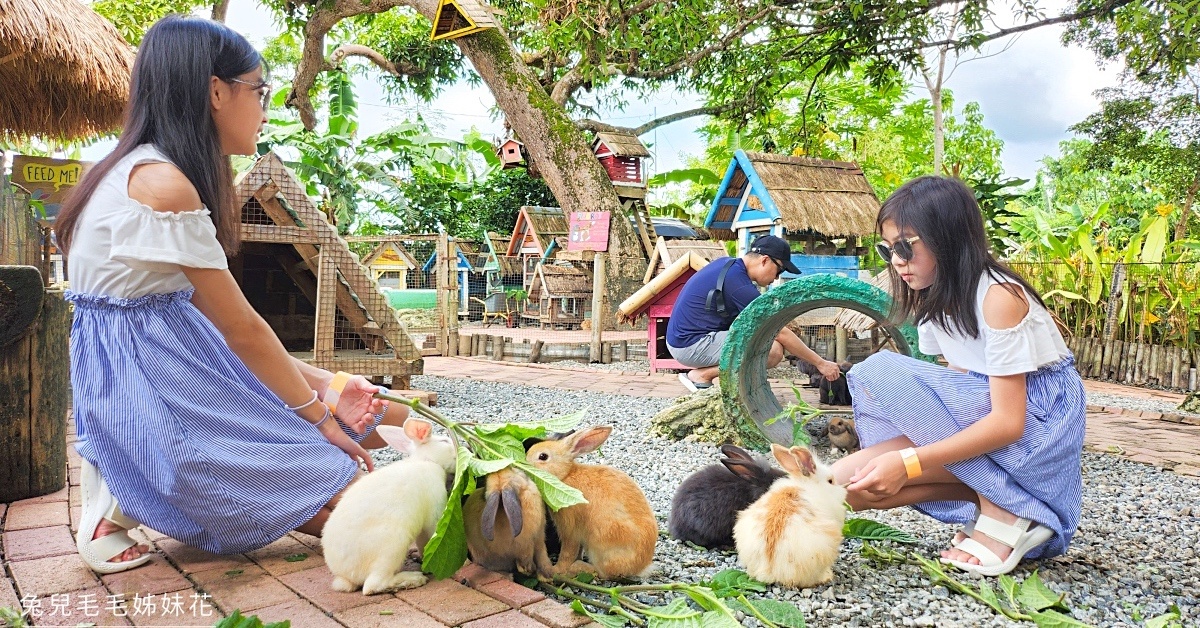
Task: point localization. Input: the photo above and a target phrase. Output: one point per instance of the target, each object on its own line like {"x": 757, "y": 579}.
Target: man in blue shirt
{"x": 702, "y": 315}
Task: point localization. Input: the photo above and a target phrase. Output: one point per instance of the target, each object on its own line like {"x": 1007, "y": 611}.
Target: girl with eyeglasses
{"x": 993, "y": 441}
{"x": 191, "y": 416}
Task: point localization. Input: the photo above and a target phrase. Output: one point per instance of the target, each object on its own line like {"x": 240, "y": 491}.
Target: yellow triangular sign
{"x": 456, "y": 18}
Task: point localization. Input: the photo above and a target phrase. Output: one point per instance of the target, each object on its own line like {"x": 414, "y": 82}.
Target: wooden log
{"x": 599, "y": 288}
{"x": 464, "y": 344}
{"x": 535, "y": 352}
{"x": 1106, "y": 360}
{"x": 1097, "y": 356}
{"x": 1152, "y": 370}
{"x": 1173, "y": 368}
{"x": 1082, "y": 350}
{"x": 1123, "y": 369}
{"x": 35, "y": 385}
{"x": 623, "y": 350}
{"x": 606, "y": 353}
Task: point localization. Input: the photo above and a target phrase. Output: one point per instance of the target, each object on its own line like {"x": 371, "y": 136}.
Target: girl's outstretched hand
{"x": 883, "y": 476}
{"x": 356, "y": 408}
{"x": 334, "y": 434}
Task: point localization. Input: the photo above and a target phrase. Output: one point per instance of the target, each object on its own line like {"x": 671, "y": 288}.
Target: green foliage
{"x": 133, "y": 19}
{"x": 12, "y": 618}
{"x": 1171, "y": 619}
{"x": 869, "y": 530}
{"x": 799, "y": 412}
{"x": 1029, "y": 600}
{"x": 236, "y": 620}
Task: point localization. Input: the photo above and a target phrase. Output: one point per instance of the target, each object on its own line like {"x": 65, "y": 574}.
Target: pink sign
{"x": 588, "y": 231}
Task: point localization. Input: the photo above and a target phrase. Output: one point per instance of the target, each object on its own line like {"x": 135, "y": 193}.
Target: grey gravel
{"x": 1134, "y": 555}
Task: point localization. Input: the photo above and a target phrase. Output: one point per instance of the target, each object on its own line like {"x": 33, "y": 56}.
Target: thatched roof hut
{"x": 536, "y": 228}
{"x": 565, "y": 281}
{"x": 832, "y": 198}
{"x": 64, "y": 70}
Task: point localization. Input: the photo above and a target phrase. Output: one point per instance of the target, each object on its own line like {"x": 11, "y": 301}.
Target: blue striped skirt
{"x": 1039, "y": 477}
{"x": 189, "y": 441}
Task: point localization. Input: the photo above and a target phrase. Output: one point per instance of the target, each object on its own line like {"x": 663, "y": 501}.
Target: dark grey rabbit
{"x": 706, "y": 504}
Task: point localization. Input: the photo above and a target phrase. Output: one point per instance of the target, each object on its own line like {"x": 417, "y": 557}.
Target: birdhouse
{"x": 621, "y": 155}
{"x": 456, "y": 18}
{"x": 511, "y": 153}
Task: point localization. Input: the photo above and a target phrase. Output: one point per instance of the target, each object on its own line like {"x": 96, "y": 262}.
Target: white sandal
{"x": 1022, "y": 536}
{"x": 100, "y": 505}
{"x": 967, "y": 530}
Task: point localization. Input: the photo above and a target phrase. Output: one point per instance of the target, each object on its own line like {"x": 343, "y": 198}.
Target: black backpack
{"x": 716, "y": 301}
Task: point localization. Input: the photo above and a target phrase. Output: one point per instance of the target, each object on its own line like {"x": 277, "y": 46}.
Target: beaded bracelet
{"x": 303, "y": 405}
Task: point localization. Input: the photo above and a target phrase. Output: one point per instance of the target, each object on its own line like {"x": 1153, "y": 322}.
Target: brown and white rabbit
{"x": 512, "y": 537}
{"x": 616, "y": 527}
{"x": 706, "y": 504}
{"x": 791, "y": 535}
{"x": 842, "y": 434}
{"x": 367, "y": 537}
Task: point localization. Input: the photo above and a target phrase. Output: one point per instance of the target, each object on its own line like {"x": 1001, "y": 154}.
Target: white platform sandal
{"x": 1022, "y": 536}
{"x": 99, "y": 505}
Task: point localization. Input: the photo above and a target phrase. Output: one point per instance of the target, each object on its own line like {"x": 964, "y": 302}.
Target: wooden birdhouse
{"x": 456, "y": 18}
{"x": 511, "y": 153}
{"x": 621, "y": 155}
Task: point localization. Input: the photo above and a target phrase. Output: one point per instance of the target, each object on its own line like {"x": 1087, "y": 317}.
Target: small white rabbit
{"x": 367, "y": 537}
{"x": 791, "y": 535}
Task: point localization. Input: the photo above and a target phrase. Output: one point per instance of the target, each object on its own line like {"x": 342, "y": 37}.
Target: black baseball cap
{"x": 777, "y": 249}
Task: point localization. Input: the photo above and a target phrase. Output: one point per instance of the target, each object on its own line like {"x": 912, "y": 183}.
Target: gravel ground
{"x": 1134, "y": 555}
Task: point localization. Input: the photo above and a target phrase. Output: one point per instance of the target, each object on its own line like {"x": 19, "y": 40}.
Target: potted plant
{"x": 516, "y": 297}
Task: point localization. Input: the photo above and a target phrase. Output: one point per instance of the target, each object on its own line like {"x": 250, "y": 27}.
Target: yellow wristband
{"x": 912, "y": 464}
{"x": 336, "y": 385}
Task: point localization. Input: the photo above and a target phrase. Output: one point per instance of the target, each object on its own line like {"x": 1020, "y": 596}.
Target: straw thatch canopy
{"x": 64, "y": 70}
{"x": 832, "y": 198}
{"x": 564, "y": 281}
{"x": 620, "y": 145}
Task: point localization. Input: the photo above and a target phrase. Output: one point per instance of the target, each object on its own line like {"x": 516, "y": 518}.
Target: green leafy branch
{"x": 485, "y": 448}
{"x": 799, "y": 413}
{"x": 718, "y": 600}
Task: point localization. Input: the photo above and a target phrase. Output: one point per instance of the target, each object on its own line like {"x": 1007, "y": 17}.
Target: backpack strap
{"x": 716, "y": 300}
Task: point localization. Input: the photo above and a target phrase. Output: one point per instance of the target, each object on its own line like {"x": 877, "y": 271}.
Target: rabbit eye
{"x": 543, "y": 456}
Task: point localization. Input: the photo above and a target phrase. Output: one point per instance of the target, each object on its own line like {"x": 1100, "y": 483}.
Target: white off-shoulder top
{"x": 1029, "y": 345}
{"x": 123, "y": 248}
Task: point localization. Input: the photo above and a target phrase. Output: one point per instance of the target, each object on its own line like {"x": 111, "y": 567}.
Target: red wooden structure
{"x": 621, "y": 155}
{"x": 657, "y": 301}
{"x": 511, "y": 153}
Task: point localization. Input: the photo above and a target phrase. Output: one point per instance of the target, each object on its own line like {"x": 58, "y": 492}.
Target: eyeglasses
{"x": 265, "y": 98}
{"x": 778, "y": 264}
{"x": 902, "y": 248}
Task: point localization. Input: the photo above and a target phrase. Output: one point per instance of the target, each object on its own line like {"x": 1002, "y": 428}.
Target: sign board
{"x": 588, "y": 231}
{"x": 47, "y": 180}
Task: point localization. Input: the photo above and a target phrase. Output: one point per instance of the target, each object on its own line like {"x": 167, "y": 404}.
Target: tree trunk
{"x": 220, "y": 8}
{"x": 1186, "y": 212}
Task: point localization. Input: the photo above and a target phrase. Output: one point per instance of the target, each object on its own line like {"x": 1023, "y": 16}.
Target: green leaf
{"x": 870, "y": 530}
{"x": 737, "y": 580}
{"x": 556, "y": 494}
{"x": 295, "y": 558}
{"x": 676, "y": 614}
{"x": 446, "y": 551}
{"x": 1171, "y": 618}
{"x": 1009, "y": 586}
{"x": 699, "y": 176}
{"x": 989, "y": 596}
{"x": 604, "y": 619}
{"x": 236, "y": 620}
{"x": 1034, "y": 595}
{"x": 1156, "y": 241}
{"x": 487, "y": 467}
{"x": 505, "y": 445}
{"x": 1050, "y": 618}
{"x": 779, "y": 613}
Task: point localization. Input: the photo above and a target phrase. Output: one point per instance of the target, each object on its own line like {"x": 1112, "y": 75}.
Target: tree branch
{"x": 1108, "y": 7}
{"x": 596, "y": 126}
{"x": 374, "y": 56}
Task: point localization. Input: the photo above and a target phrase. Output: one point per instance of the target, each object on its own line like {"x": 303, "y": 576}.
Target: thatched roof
{"x": 621, "y": 144}
{"x": 545, "y": 224}
{"x": 64, "y": 70}
{"x": 832, "y": 198}
{"x": 857, "y": 321}
{"x": 667, "y": 251}
{"x": 564, "y": 281}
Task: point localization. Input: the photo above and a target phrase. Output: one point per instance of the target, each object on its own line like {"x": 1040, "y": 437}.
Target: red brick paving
{"x": 183, "y": 586}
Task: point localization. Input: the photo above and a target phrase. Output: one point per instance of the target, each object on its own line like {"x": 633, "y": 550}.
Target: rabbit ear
{"x": 418, "y": 430}
{"x": 395, "y": 437}
{"x": 512, "y": 508}
{"x": 745, "y": 469}
{"x": 487, "y": 519}
{"x": 735, "y": 452}
{"x": 796, "y": 461}
{"x": 588, "y": 440}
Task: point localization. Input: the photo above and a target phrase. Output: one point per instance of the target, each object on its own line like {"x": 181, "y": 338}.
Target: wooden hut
{"x": 64, "y": 70}
{"x": 390, "y": 264}
{"x": 534, "y": 238}
{"x": 561, "y": 294}
{"x": 301, "y": 275}
{"x": 503, "y": 272}
{"x": 621, "y": 155}
{"x": 511, "y": 153}
{"x": 657, "y": 300}
{"x": 667, "y": 251}
{"x": 464, "y": 268}
{"x": 808, "y": 201}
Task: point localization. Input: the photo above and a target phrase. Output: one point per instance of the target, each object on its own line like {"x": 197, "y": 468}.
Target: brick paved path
{"x": 182, "y": 584}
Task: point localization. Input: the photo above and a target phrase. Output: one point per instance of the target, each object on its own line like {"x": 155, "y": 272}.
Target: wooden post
{"x": 35, "y": 386}
{"x": 326, "y": 307}
{"x": 606, "y": 353}
{"x": 623, "y": 350}
{"x": 535, "y": 352}
{"x": 452, "y": 295}
{"x": 841, "y": 338}
{"x": 441, "y": 273}
{"x": 497, "y": 348}
{"x": 598, "y": 315}
{"x": 464, "y": 344}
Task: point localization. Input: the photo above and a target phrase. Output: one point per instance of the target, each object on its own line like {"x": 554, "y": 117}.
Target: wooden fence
{"x": 1135, "y": 363}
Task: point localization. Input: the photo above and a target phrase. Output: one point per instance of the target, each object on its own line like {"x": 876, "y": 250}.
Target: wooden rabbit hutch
{"x": 301, "y": 276}
{"x": 561, "y": 294}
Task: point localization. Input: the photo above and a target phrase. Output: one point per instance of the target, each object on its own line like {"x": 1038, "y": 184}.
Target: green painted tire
{"x": 747, "y": 396}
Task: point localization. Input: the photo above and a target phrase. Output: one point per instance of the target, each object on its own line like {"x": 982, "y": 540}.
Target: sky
{"x": 1029, "y": 95}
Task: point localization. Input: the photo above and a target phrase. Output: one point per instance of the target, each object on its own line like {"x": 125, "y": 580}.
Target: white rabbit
{"x": 791, "y": 535}
{"x": 367, "y": 537}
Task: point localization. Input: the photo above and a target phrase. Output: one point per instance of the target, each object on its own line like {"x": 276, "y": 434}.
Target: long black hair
{"x": 170, "y": 107}
{"x": 943, "y": 212}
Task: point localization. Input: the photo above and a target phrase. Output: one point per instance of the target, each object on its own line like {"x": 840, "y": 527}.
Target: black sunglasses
{"x": 902, "y": 249}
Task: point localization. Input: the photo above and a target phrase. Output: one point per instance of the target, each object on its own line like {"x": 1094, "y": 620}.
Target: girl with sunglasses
{"x": 191, "y": 416}
{"x": 993, "y": 441}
